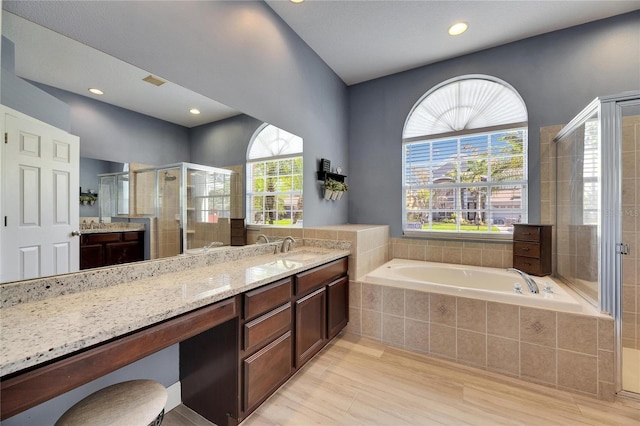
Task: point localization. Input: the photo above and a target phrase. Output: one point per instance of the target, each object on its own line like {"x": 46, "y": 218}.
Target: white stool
{"x": 136, "y": 402}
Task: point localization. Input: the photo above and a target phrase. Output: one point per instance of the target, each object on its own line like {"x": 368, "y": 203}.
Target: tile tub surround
{"x": 38, "y": 331}
{"x": 566, "y": 351}
{"x": 490, "y": 254}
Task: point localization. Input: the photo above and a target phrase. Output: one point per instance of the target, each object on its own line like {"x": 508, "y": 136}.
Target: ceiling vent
{"x": 154, "y": 80}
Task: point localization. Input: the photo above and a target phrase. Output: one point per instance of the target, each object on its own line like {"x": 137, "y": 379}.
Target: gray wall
{"x": 26, "y": 98}
{"x": 238, "y": 53}
{"x": 556, "y": 74}
{"x": 223, "y": 143}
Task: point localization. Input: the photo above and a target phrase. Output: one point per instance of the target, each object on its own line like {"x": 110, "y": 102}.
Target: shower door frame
{"x": 609, "y": 110}
{"x": 615, "y": 112}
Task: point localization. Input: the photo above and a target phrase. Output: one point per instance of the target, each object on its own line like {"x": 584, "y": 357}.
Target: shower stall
{"x": 598, "y": 218}
{"x": 191, "y": 205}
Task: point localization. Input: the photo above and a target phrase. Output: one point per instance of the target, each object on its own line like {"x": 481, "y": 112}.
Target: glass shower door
{"x": 630, "y": 295}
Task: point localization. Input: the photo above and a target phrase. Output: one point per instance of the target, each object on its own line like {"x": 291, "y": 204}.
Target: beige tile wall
{"x": 495, "y": 255}
{"x": 562, "y": 350}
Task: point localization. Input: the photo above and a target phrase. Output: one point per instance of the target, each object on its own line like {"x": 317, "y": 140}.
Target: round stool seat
{"x": 136, "y": 402}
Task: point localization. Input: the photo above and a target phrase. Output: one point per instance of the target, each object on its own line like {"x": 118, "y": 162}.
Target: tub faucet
{"x": 533, "y": 287}
{"x": 286, "y": 244}
{"x": 212, "y": 244}
{"x": 264, "y": 237}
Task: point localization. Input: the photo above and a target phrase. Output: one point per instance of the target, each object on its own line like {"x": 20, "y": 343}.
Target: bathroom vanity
{"x": 244, "y": 328}
{"x": 110, "y": 248}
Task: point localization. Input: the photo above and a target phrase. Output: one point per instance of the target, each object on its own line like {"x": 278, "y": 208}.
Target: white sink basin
{"x": 301, "y": 255}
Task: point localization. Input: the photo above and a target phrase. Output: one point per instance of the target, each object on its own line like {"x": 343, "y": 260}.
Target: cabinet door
{"x": 337, "y": 306}
{"x": 91, "y": 256}
{"x": 310, "y": 325}
{"x": 124, "y": 252}
{"x": 265, "y": 370}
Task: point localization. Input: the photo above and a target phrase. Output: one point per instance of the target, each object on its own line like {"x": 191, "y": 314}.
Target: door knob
{"x": 76, "y": 233}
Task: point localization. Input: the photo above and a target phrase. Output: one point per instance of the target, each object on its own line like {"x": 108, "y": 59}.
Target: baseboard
{"x": 174, "y": 397}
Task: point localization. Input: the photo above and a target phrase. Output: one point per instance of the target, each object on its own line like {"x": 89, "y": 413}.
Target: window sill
{"x": 471, "y": 237}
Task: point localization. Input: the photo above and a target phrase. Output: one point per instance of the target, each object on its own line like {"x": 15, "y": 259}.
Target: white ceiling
{"x": 362, "y": 40}
{"x": 359, "y": 40}
{"x": 79, "y": 67}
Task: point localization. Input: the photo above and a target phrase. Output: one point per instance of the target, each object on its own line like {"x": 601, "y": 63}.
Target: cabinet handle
{"x": 526, "y": 233}
{"x": 525, "y": 249}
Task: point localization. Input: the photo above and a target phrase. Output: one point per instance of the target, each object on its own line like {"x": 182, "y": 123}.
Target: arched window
{"x": 274, "y": 177}
{"x": 465, "y": 159}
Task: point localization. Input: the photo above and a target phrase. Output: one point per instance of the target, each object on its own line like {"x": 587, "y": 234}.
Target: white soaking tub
{"x": 472, "y": 282}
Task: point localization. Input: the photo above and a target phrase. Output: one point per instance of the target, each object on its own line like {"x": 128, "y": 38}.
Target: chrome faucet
{"x": 533, "y": 287}
{"x": 264, "y": 237}
{"x": 286, "y": 244}
{"x": 212, "y": 244}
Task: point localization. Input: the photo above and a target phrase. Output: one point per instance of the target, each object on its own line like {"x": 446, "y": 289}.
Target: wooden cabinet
{"x": 321, "y": 307}
{"x": 337, "y": 306}
{"x": 267, "y": 348}
{"x": 111, "y": 248}
{"x": 266, "y": 370}
{"x": 532, "y": 248}
{"x": 284, "y": 324}
{"x": 311, "y": 329}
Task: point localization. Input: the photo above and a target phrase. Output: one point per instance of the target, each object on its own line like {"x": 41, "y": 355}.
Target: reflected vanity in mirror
{"x": 138, "y": 143}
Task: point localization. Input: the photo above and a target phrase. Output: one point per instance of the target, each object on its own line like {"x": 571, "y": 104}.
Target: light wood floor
{"x": 355, "y": 381}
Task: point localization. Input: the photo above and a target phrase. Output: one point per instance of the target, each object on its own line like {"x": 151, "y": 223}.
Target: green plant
{"x": 332, "y": 185}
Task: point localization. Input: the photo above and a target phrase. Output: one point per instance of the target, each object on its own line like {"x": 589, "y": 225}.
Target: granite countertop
{"x": 35, "y": 332}
{"x": 113, "y": 227}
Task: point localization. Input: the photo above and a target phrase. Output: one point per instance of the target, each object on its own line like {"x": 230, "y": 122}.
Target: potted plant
{"x": 330, "y": 186}
{"x": 343, "y": 188}
{"x": 84, "y": 199}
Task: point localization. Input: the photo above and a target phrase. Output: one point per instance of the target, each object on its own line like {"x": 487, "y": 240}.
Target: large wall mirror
{"x": 136, "y": 139}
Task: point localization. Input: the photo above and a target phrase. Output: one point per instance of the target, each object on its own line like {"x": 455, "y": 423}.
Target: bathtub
{"x": 472, "y": 282}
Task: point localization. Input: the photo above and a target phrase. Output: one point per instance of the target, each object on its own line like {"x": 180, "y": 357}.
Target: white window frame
{"x": 293, "y": 194}
{"x": 520, "y": 125}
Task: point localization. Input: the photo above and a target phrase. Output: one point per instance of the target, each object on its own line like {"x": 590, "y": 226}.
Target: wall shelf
{"x": 322, "y": 175}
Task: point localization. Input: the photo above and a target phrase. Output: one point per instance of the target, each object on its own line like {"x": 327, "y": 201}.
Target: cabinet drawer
{"x": 526, "y": 233}
{"x": 265, "y": 298}
{"x": 264, "y": 371}
{"x": 311, "y": 280}
{"x": 108, "y": 237}
{"x": 526, "y": 249}
{"x": 264, "y": 328}
{"x": 131, "y": 236}
{"x": 529, "y": 265}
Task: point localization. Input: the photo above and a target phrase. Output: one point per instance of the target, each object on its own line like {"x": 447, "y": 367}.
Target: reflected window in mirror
{"x": 274, "y": 178}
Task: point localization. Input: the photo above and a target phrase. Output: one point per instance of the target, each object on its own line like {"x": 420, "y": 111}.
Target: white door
{"x": 40, "y": 205}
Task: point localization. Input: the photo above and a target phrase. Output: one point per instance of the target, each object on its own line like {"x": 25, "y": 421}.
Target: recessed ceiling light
{"x": 195, "y": 111}
{"x": 96, "y": 91}
{"x": 458, "y": 28}
{"x": 296, "y": 1}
